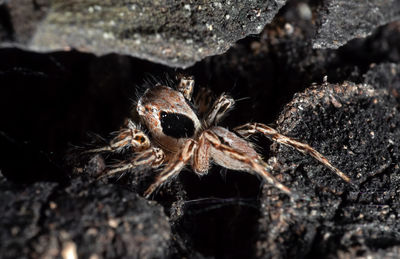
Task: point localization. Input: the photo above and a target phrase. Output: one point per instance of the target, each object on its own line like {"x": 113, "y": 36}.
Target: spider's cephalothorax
{"x": 178, "y": 138}
{"x": 168, "y": 117}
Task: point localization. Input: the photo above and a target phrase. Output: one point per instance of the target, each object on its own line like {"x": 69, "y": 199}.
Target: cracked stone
{"x": 342, "y": 20}
{"x": 176, "y": 33}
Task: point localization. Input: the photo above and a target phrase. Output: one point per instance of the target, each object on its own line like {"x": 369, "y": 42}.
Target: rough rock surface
{"x": 386, "y": 75}
{"x": 343, "y": 20}
{"x": 175, "y": 33}
{"x": 338, "y": 218}
{"x": 22, "y": 210}
{"x": 19, "y": 20}
{"x": 84, "y": 219}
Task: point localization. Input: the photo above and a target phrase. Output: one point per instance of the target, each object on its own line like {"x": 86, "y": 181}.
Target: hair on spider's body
{"x": 178, "y": 137}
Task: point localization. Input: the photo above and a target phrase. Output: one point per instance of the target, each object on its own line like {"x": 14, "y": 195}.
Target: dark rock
{"x": 22, "y": 211}
{"x": 386, "y": 76}
{"x": 103, "y": 220}
{"x": 389, "y": 253}
{"x": 84, "y": 219}
{"x": 342, "y": 20}
{"x": 176, "y": 34}
{"x": 19, "y": 20}
{"x": 173, "y": 33}
{"x": 281, "y": 62}
{"x": 356, "y": 127}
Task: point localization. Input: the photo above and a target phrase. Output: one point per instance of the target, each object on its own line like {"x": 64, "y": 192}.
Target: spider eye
{"x": 140, "y": 139}
{"x": 176, "y": 125}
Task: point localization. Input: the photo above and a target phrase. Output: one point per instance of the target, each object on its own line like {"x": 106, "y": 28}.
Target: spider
{"x": 178, "y": 138}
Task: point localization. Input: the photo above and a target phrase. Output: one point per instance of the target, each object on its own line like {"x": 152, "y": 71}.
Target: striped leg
{"x": 252, "y": 128}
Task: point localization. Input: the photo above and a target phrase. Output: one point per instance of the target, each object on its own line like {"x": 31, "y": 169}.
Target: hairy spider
{"x": 178, "y": 138}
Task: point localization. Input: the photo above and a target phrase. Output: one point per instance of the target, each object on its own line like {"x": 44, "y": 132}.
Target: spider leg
{"x": 185, "y": 86}
{"x": 220, "y": 107}
{"x": 201, "y": 156}
{"x": 202, "y": 101}
{"x": 152, "y": 157}
{"x": 130, "y": 135}
{"x": 252, "y": 128}
{"x": 174, "y": 167}
{"x": 237, "y": 159}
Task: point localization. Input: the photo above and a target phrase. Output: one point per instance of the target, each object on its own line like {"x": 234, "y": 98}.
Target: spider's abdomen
{"x": 241, "y": 148}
